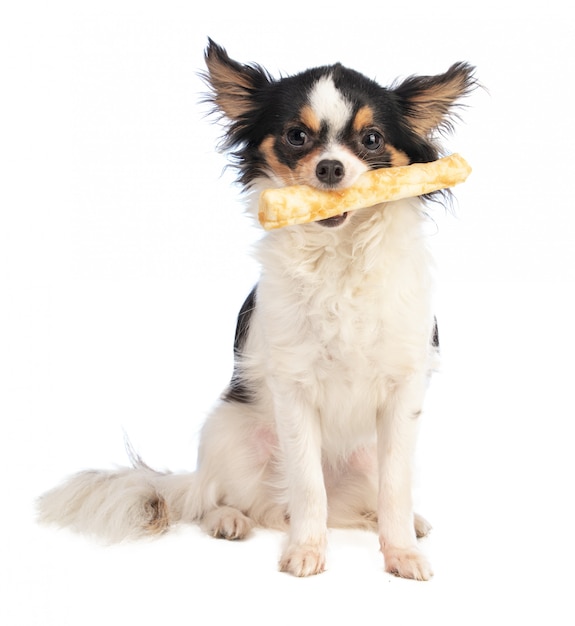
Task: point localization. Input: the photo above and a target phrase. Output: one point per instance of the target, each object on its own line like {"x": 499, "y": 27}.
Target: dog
{"x": 335, "y": 344}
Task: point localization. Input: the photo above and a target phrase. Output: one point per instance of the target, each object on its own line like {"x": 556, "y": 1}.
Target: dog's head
{"x": 327, "y": 125}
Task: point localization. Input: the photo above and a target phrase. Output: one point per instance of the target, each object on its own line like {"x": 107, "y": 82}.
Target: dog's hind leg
{"x": 352, "y": 494}
{"x": 352, "y": 491}
{"x": 226, "y": 522}
{"x": 422, "y": 526}
{"x": 236, "y": 471}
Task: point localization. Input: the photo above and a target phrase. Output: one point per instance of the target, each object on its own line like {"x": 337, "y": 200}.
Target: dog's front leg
{"x": 397, "y": 426}
{"x": 299, "y": 436}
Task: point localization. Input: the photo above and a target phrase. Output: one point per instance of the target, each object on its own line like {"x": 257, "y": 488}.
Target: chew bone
{"x": 300, "y": 204}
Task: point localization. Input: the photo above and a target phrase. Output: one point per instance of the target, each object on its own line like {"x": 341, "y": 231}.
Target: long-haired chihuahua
{"x": 334, "y": 345}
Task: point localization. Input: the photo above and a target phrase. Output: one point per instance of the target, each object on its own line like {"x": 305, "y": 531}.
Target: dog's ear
{"x": 429, "y": 102}
{"x": 233, "y": 85}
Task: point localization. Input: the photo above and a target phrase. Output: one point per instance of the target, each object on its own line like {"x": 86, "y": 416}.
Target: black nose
{"x": 330, "y": 171}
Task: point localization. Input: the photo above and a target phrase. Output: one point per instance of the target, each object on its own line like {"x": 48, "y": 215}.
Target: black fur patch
{"x": 435, "y": 335}
{"x": 238, "y": 390}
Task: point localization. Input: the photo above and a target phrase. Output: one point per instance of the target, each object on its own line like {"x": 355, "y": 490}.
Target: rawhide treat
{"x": 299, "y": 204}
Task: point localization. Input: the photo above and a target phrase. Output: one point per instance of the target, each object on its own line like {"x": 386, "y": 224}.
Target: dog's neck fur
{"x": 371, "y": 277}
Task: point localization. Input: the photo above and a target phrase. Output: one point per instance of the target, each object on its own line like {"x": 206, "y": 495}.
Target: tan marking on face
{"x": 302, "y": 174}
{"x": 281, "y": 171}
{"x": 363, "y": 118}
{"x": 398, "y": 157}
{"x": 310, "y": 119}
{"x": 305, "y": 170}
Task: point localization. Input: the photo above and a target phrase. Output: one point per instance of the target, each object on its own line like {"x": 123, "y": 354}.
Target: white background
{"x": 124, "y": 257}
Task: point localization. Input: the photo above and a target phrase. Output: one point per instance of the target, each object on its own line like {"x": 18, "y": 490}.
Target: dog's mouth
{"x": 332, "y": 222}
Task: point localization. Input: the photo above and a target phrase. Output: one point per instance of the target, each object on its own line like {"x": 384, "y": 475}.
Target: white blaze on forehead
{"x": 328, "y": 103}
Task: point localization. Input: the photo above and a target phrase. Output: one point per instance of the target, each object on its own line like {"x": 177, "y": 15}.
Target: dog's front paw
{"x": 407, "y": 563}
{"x": 303, "y": 560}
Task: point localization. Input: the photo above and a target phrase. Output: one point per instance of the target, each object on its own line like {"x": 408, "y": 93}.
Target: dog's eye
{"x": 372, "y": 140}
{"x": 296, "y": 137}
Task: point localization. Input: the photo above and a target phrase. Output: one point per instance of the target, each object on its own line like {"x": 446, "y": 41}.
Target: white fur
{"x": 332, "y": 109}
{"x": 330, "y": 106}
{"x": 338, "y": 355}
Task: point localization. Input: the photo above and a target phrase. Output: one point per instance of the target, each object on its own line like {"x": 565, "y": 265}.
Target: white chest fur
{"x": 343, "y": 314}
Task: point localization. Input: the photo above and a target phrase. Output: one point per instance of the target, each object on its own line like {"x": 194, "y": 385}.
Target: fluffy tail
{"x": 128, "y": 503}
